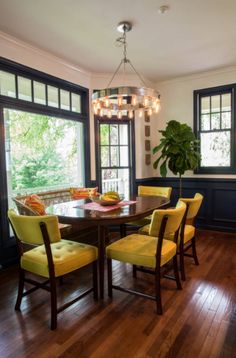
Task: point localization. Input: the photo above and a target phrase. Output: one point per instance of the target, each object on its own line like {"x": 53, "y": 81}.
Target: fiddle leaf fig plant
{"x": 178, "y": 150}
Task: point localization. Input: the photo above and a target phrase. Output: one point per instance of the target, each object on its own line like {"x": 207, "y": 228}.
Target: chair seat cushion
{"x": 140, "y": 250}
{"x": 67, "y": 256}
{"x": 189, "y": 232}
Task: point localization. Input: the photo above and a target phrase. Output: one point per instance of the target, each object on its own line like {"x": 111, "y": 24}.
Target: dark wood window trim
{"x": 197, "y": 95}
{"x": 131, "y": 143}
{"x": 7, "y": 245}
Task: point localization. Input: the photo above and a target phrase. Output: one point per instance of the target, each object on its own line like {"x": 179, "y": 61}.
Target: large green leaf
{"x": 178, "y": 147}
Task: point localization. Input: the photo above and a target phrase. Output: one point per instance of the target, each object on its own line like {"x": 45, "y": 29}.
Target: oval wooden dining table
{"x": 75, "y": 212}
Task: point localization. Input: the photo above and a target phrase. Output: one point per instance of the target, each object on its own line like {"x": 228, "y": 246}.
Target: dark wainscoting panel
{"x": 218, "y": 211}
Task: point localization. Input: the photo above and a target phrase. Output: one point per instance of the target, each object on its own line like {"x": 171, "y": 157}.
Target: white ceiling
{"x": 193, "y": 36}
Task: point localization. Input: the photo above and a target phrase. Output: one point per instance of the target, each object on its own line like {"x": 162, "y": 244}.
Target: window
{"x": 42, "y": 153}
{"x": 44, "y": 135}
{"x": 214, "y": 121}
{"x": 115, "y": 170}
{"x": 39, "y": 93}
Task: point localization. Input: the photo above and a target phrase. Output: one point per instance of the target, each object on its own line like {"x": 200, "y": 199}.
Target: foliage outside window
{"x": 214, "y": 125}
{"x": 42, "y": 152}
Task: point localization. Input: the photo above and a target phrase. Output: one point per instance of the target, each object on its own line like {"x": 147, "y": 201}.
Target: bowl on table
{"x": 99, "y": 199}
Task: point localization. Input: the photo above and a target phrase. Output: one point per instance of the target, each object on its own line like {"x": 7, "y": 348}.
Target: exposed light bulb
{"x": 119, "y": 101}
{"x": 119, "y": 115}
{"x": 134, "y": 100}
{"x": 157, "y": 107}
{"x": 107, "y": 102}
{"x": 146, "y": 101}
{"x": 130, "y": 115}
{"x": 140, "y": 113}
{"x": 109, "y": 115}
{"x": 150, "y": 111}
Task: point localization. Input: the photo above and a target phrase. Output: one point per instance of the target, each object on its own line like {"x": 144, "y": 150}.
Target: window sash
{"x": 222, "y": 127}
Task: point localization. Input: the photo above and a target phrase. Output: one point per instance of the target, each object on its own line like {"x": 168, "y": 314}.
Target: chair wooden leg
{"x": 134, "y": 271}
{"x": 182, "y": 269}
{"x": 176, "y": 273}
{"x": 61, "y": 280}
{"x": 194, "y": 251}
{"x": 95, "y": 280}
{"x": 20, "y": 289}
{"x": 53, "y": 292}
{"x": 122, "y": 230}
{"x": 109, "y": 273}
{"x": 158, "y": 292}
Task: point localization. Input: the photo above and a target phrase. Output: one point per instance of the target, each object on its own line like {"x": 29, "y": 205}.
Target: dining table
{"x": 84, "y": 211}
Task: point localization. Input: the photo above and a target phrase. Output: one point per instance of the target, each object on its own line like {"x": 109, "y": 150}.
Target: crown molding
{"x": 40, "y": 52}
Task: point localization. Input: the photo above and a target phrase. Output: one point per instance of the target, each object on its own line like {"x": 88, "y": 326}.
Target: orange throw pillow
{"x": 36, "y": 204}
{"x": 83, "y": 193}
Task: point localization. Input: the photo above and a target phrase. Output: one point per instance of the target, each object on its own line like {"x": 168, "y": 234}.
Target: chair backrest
{"x": 194, "y": 205}
{"x": 154, "y": 190}
{"x": 27, "y": 228}
{"x": 174, "y": 219}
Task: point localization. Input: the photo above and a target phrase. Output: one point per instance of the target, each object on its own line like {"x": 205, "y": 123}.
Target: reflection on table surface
{"x": 143, "y": 206}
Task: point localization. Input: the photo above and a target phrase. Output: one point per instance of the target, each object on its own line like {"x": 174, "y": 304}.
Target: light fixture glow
{"x": 125, "y": 100}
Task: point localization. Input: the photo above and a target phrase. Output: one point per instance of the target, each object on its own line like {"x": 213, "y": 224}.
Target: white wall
{"x": 177, "y": 101}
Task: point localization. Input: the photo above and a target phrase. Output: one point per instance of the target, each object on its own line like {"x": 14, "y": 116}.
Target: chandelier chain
{"x": 125, "y": 60}
{"x": 124, "y": 100}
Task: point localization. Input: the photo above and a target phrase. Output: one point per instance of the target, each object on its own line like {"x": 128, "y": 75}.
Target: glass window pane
{"x": 7, "y": 84}
{"x": 215, "y": 121}
{"x": 40, "y": 165}
{"x": 53, "y": 96}
{"x": 76, "y": 102}
{"x": 39, "y": 93}
{"x": 215, "y": 149}
{"x": 123, "y": 182}
{"x": 65, "y": 99}
{"x": 105, "y": 161}
{"x": 24, "y": 89}
{"x": 123, "y": 133}
{"x": 205, "y": 104}
{"x": 114, "y": 156}
{"x": 114, "y": 134}
{"x": 226, "y": 120}
{"x": 205, "y": 122}
{"x": 226, "y": 102}
{"x": 109, "y": 180}
{"x": 215, "y": 103}
{"x": 124, "y": 156}
{"x": 104, "y": 134}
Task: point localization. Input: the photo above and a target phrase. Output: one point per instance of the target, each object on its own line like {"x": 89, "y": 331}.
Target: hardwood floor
{"x": 199, "y": 321}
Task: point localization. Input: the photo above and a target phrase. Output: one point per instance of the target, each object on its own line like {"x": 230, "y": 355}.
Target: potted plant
{"x": 179, "y": 150}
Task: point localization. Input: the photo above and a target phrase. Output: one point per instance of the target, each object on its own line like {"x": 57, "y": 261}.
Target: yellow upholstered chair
{"x": 154, "y": 190}
{"x": 187, "y": 232}
{"x": 50, "y": 258}
{"x": 149, "y": 253}
{"x": 148, "y": 191}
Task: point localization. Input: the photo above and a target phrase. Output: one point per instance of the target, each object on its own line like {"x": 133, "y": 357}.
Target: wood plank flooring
{"x": 199, "y": 321}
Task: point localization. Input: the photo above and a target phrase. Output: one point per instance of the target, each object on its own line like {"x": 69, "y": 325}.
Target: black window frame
{"x": 7, "y": 243}
{"x": 131, "y": 145}
{"x": 219, "y": 90}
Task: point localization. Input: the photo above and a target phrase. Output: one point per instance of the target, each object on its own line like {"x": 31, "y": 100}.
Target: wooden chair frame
{"x": 182, "y": 249}
{"x": 50, "y": 284}
{"x": 156, "y": 272}
{"x": 24, "y": 209}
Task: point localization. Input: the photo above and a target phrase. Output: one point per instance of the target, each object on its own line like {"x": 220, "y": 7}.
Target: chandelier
{"x": 124, "y": 100}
